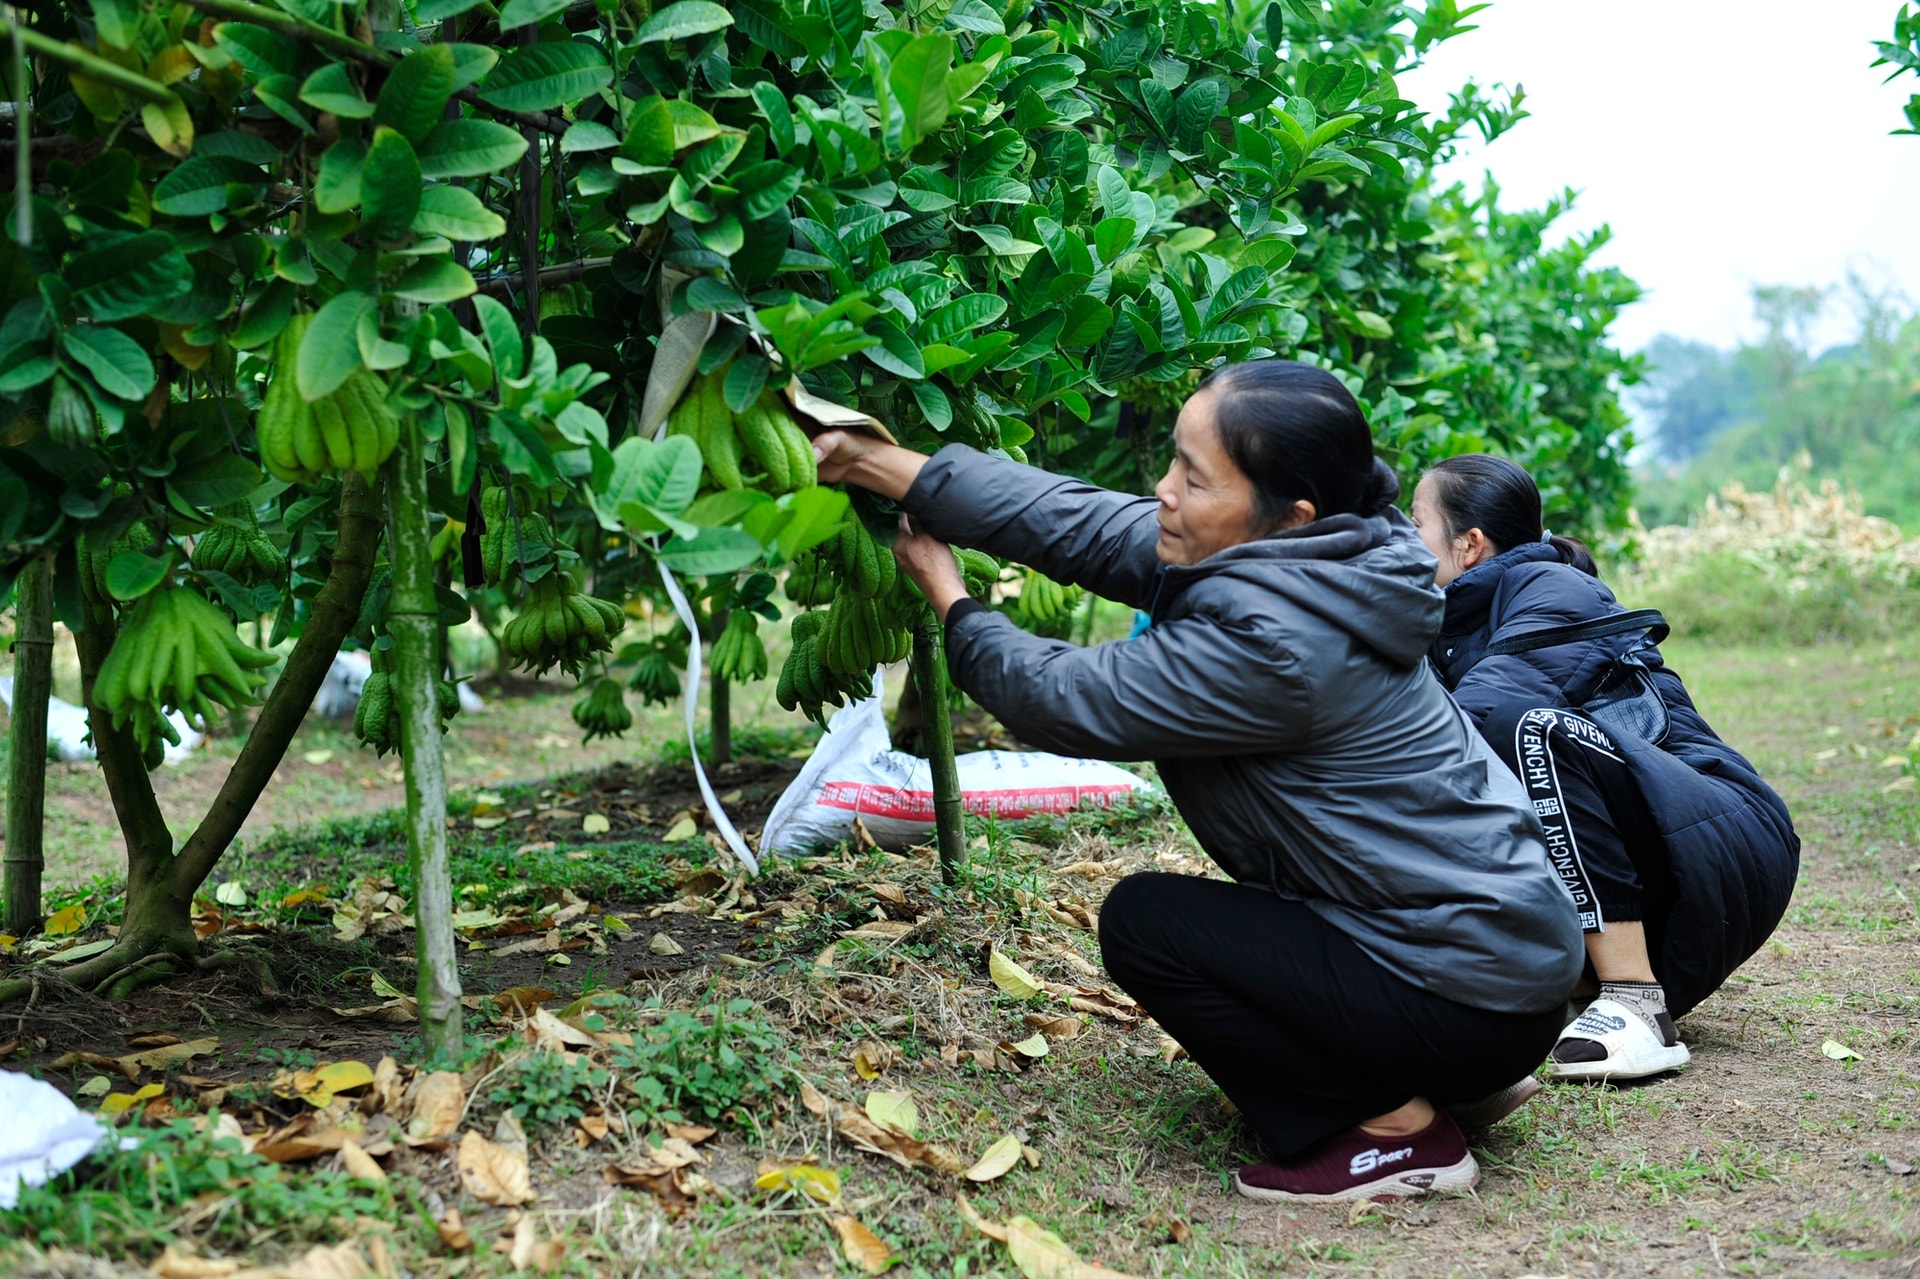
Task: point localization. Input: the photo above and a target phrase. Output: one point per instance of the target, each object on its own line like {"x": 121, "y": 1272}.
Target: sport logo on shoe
{"x": 1597, "y": 1024}
{"x": 1368, "y": 1160}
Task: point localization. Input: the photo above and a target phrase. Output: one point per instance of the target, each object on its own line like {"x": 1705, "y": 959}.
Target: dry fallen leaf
{"x": 171, "y": 1054}
{"x": 595, "y": 824}
{"x": 880, "y": 930}
{"x": 682, "y": 830}
{"x": 453, "y": 1232}
{"x": 521, "y": 999}
{"x": 116, "y": 1103}
{"x": 894, "y": 1110}
{"x": 173, "y": 1264}
{"x": 1011, "y": 977}
{"x": 550, "y": 1034}
{"x": 1034, "y": 1046}
{"x": 692, "y": 1134}
{"x": 821, "y": 1184}
{"x": 663, "y": 944}
{"x": 998, "y": 1160}
{"x": 991, "y": 1229}
{"x": 871, "y": 1058}
{"x": 359, "y": 1164}
{"x": 100, "y": 1061}
{"x": 1170, "y": 1049}
{"x": 437, "y": 1107}
{"x": 1041, "y": 1254}
{"x": 862, "y": 1247}
{"x": 1054, "y": 1026}
{"x": 342, "y": 1262}
{"x": 1832, "y": 1048}
{"x": 493, "y": 1173}
{"x": 317, "y": 1087}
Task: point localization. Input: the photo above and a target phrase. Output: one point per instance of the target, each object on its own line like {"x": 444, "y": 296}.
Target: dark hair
{"x": 1498, "y": 497}
{"x": 1296, "y": 433}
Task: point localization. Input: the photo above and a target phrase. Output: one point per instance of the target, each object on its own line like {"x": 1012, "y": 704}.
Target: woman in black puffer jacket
{"x": 1679, "y": 858}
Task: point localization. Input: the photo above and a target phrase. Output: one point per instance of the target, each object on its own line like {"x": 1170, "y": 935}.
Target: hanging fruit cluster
{"x": 1044, "y": 606}
{"x": 376, "y": 721}
{"x": 175, "y": 651}
{"x": 560, "y": 625}
{"x": 657, "y": 666}
{"x": 603, "y": 711}
{"x": 738, "y": 655}
{"x": 761, "y": 447}
{"x": 810, "y": 580}
{"x": 240, "y": 548}
{"x": 807, "y": 684}
{"x": 516, "y": 537}
{"x": 348, "y": 429}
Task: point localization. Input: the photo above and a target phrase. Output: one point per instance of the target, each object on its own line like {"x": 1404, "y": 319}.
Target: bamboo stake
{"x": 27, "y": 769}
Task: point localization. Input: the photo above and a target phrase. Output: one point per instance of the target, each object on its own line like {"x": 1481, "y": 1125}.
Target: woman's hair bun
{"x": 1381, "y": 491}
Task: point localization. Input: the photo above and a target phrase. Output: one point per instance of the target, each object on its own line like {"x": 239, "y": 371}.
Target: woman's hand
{"x": 930, "y": 563}
{"x": 874, "y": 465}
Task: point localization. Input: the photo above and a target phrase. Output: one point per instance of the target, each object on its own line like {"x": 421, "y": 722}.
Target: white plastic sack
{"x": 42, "y": 1134}
{"x": 339, "y": 694}
{"x": 855, "y": 772}
{"x": 67, "y": 729}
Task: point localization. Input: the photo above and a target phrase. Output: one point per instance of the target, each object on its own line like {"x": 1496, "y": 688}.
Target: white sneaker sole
{"x": 1632, "y": 1062}
{"x": 1455, "y": 1180}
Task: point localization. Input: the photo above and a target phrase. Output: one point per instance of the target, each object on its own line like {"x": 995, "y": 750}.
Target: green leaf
{"x": 437, "y": 279}
{"x": 414, "y": 98}
{"x": 919, "y": 82}
{"x": 330, "y": 352}
{"x": 128, "y": 276}
{"x": 457, "y": 213}
{"x": 712, "y": 550}
{"x": 116, "y": 22}
{"x": 977, "y": 16}
{"x": 527, "y": 13}
{"x": 587, "y": 135}
{"x": 118, "y": 363}
{"x": 745, "y": 380}
{"x": 687, "y": 18}
{"x": 813, "y": 515}
{"x": 934, "y": 403}
{"x": 710, "y": 294}
{"x": 390, "y": 185}
{"x": 472, "y": 148}
{"x": 263, "y": 52}
{"x": 963, "y": 315}
{"x": 198, "y": 185}
{"x": 265, "y": 318}
{"x": 438, "y": 10}
{"x": 25, "y": 367}
{"x": 331, "y": 88}
{"x": 544, "y": 77}
{"x": 133, "y": 573}
{"x": 670, "y": 475}
{"x": 691, "y": 124}
{"x": 503, "y": 335}
{"x": 773, "y": 105}
{"x": 215, "y": 480}
{"x": 897, "y": 353}
{"x": 471, "y": 62}
{"x": 280, "y": 94}
{"x": 336, "y": 187}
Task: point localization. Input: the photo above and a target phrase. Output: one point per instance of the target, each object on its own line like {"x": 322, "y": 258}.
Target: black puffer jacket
{"x": 1730, "y": 842}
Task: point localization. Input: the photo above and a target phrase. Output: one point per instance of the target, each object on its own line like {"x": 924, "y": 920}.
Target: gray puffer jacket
{"x": 1284, "y": 696}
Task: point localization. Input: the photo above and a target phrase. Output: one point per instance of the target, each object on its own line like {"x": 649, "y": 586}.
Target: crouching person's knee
{"x": 1126, "y": 919}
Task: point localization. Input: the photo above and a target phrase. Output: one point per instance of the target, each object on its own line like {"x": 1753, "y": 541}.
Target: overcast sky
{"x": 1727, "y": 142}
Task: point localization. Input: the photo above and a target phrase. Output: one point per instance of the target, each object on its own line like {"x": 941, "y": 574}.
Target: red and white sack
{"x": 855, "y": 772}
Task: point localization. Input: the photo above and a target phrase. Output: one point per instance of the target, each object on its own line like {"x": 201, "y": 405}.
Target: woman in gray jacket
{"x": 1394, "y": 940}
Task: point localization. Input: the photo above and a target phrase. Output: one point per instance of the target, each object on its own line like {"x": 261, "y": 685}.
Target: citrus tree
{"x": 304, "y": 297}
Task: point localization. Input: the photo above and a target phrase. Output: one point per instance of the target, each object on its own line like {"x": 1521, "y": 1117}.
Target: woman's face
{"x": 1206, "y": 502}
{"x": 1456, "y": 554}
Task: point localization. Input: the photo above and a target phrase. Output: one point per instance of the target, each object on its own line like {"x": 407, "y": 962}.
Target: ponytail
{"x": 1574, "y": 551}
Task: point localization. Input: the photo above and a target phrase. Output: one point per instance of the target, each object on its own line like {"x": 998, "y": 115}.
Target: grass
{"x": 1765, "y": 1157}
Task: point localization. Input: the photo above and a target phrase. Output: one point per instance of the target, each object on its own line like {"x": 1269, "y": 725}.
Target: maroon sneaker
{"x": 1356, "y": 1164}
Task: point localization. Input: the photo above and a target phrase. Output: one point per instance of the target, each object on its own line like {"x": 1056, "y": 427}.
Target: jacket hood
{"x": 1371, "y": 577}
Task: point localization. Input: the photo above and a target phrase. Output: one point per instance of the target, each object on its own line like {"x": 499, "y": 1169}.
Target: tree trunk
{"x": 160, "y": 886}
{"x": 720, "y": 713}
{"x": 936, "y": 733}
{"x": 27, "y": 771}
{"x": 413, "y": 619}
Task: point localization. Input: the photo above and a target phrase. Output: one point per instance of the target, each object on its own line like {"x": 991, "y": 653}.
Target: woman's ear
{"x": 1302, "y": 512}
{"x": 1473, "y": 548}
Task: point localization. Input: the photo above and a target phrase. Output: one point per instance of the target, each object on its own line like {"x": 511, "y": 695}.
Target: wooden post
{"x": 27, "y": 769}
{"x": 936, "y": 733}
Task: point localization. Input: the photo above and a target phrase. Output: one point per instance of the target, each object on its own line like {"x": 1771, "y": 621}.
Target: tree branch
{"x": 89, "y": 64}
{"x": 142, "y": 825}
{"x": 335, "y": 610}
{"x": 345, "y": 45}
{"x": 566, "y": 273}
